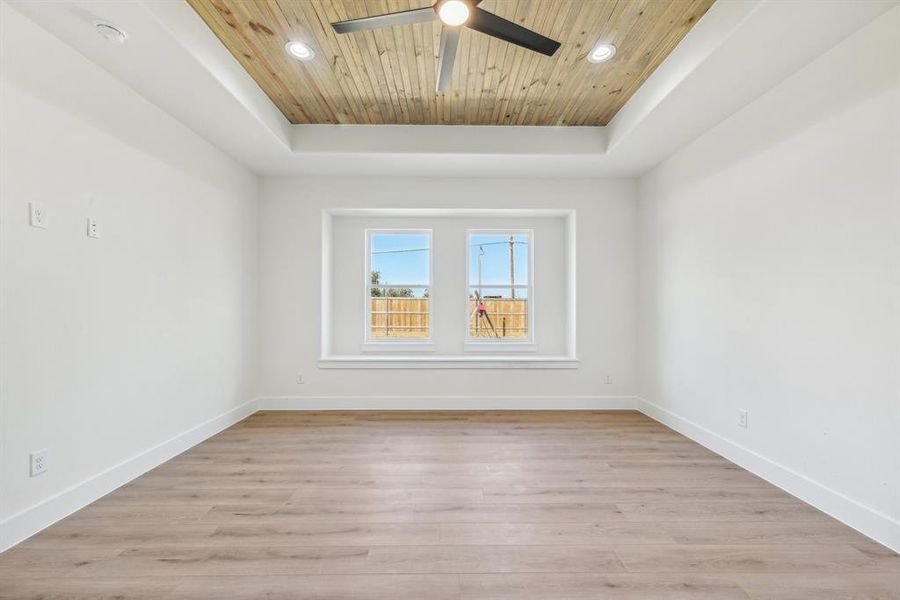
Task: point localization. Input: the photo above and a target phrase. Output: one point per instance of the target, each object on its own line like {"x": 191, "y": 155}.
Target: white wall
{"x": 770, "y": 280}
{"x": 290, "y": 259}
{"x": 110, "y": 346}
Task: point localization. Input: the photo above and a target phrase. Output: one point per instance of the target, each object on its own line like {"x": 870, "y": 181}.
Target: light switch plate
{"x": 93, "y": 229}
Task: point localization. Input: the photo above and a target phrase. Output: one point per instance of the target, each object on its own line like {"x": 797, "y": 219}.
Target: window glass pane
{"x": 400, "y": 258}
{"x": 399, "y": 313}
{"x": 496, "y": 313}
{"x": 498, "y": 259}
{"x": 499, "y": 280}
{"x": 399, "y": 290}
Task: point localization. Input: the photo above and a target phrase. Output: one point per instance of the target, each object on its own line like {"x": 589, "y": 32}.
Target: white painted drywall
{"x": 769, "y": 260}
{"x": 290, "y": 271}
{"x": 111, "y": 346}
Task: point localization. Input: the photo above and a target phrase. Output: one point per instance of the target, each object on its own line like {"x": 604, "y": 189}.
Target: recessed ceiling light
{"x": 601, "y": 53}
{"x": 454, "y": 12}
{"x": 299, "y": 50}
{"x": 110, "y": 33}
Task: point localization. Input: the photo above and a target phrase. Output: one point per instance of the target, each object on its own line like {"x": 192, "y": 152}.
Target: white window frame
{"x": 405, "y": 345}
{"x": 480, "y": 344}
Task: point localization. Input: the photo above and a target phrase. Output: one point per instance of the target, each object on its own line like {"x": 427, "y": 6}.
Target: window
{"x": 398, "y": 285}
{"x": 500, "y": 299}
{"x": 429, "y": 256}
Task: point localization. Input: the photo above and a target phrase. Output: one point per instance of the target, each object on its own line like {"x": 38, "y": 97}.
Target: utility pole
{"x": 512, "y": 264}
{"x": 478, "y": 296}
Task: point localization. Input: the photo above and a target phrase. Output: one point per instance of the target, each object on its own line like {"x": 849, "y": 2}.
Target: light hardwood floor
{"x": 449, "y": 506}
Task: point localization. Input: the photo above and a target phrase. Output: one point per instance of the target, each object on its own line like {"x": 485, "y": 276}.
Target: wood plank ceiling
{"x": 387, "y": 76}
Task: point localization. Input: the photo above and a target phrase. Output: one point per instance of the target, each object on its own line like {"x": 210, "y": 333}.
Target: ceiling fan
{"x": 455, "y": 14}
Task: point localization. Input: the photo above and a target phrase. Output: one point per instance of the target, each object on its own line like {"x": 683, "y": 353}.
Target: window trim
{"x": 473, "y": 344}
{"x": 370, "y": 344}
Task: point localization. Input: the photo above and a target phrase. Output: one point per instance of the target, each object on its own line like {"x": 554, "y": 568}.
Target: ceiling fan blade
{"x": 499, "y": 27}
{"x": 447, "y": 56}
{"x": 406, "y": 17}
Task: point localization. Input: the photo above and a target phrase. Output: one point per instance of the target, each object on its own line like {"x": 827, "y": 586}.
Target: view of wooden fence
{"x": 509, "y": 317}
{"x": 408, "y": 318}
{"x": 400, "y": 317}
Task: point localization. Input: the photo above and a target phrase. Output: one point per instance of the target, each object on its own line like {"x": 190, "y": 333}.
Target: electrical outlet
{"x": 608, "y": 380}
{"x": 37, "y": 215}
{"x": 39, "y": 462}
{"x": 300, "y": 379}
{"x": 93, "y": 229}
{"x": 743, "y": 417}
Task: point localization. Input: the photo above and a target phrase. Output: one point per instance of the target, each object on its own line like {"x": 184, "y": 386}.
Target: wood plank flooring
{"x": 449, "y": 506}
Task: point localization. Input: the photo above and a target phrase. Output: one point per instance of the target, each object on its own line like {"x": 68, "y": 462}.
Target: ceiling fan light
{"x": 299, "y": 50}
{"x": 454, "y": 12}
{"x": 601, "y": 53}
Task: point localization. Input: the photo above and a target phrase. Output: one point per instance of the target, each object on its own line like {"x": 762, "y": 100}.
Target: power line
{"x": 506, "y": 243}
{"x": 396, "y": 251}
{"x": 427, "y": 249}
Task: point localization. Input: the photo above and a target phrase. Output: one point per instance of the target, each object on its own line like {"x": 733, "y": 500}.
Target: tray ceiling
{"x": 387, "y": 76}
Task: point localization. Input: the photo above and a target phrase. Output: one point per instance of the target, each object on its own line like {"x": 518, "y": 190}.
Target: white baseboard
{"x": 25, "y": 524}
{"x": 867, "y": 521}
{"x": 447, "y": 403}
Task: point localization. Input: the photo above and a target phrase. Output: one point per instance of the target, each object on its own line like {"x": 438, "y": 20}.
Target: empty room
{"x": 449, "y": 299}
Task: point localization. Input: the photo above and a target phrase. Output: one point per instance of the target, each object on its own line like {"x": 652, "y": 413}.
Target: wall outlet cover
{"x": 39, "y": 461}
{"x": 37, "y": 215}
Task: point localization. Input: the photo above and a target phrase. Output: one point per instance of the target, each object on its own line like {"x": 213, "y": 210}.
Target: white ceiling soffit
{"x": 705, "y": 81}
{"x": 735, "y": 53}
{"x": 190, "y": 76}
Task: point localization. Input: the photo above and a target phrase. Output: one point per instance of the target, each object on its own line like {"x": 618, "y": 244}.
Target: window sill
{"x": 447, "y": 362}
{"x": 398, "y": 346}
{"x": 502, "y": 347}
